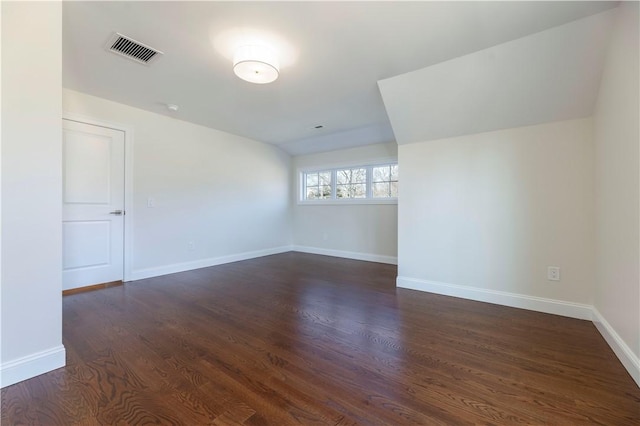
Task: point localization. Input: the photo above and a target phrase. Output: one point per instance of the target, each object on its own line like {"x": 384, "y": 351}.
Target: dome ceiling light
{"x": 255, "y": 64}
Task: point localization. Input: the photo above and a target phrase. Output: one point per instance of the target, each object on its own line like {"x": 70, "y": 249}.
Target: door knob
{"x": 117, "y": 212}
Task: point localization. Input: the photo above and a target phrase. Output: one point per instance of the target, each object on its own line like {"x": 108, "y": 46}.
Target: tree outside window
{"x": 385, "y": 181}
{"x": 318, "y": 185}
{"x": 351, "y": 183}
{"x": 378, "y": 181}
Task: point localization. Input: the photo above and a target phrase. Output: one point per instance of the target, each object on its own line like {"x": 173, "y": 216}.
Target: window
{"x": 371, "y": 182}
{"x": 385, "y": 181}
{"x": 351, "y": 183}
{"x": 318, "y": 185}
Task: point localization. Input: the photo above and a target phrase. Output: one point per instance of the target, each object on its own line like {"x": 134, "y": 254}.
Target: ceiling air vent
{"x": 129, "y": 48}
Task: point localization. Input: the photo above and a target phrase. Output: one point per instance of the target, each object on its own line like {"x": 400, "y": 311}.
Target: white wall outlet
{"x": 151, "y": 202}
{"x": 191, "y": 246}
{"x": 325, "y": 236}
{"x": 553, "y": 273}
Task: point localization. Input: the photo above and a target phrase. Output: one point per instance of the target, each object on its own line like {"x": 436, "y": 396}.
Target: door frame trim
{"x": 128, "y": 181}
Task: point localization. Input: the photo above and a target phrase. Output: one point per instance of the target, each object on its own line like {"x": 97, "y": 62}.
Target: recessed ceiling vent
{"x": 134, "y": 50}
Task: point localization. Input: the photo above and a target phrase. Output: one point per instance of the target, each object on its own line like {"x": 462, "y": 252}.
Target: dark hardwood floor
{"x": 304, "y": 339}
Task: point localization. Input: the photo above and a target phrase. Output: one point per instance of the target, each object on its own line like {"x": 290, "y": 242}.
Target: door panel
{"x": 87, "y": 244}
{"x": 87, "y": 160}
{"x": 93, "y": 189}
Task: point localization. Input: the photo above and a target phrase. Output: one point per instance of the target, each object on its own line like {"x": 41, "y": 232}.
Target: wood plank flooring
{"x": 314, "y": 340}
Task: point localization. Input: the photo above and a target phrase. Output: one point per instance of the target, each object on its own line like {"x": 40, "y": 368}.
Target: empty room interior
{"x": 330, "y": 213}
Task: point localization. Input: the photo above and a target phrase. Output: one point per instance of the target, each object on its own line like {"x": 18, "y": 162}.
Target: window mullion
{"x": 352, "y": 187}
{"x": 303, "y": 183}
{"x": 334, "y": 182}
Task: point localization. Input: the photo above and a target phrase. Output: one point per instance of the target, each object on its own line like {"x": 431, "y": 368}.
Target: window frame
{"x": 333, "y": 199}
{"x": 372, "y": 182}
{"x": 303, "y": 183}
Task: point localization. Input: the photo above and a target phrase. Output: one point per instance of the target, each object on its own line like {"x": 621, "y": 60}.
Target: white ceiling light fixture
{"x": 255, "y": 64}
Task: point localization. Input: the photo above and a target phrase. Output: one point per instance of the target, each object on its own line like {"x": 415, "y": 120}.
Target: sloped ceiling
{"x": 549, "y": 76}
{"x": 332, "y": 53}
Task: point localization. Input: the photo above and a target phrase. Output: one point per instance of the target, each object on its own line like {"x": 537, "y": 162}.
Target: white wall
{"x": 227, "y": 194}
{"x": 31, "y": 290}
{"x": 366, "y": 231}
{"x": 551, "y": 75}
{"x": 482, "y": 216}
{"x": 617, "y": 139}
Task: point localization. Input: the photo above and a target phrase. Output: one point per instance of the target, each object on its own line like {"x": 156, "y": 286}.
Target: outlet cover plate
{"x": 553, "y": 273}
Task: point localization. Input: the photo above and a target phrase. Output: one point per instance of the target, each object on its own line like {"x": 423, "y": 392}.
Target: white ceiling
{"x": 332, "y": 56}
{"x": 548, "y": 76}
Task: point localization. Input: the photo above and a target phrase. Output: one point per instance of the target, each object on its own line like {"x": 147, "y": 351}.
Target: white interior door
{"x": 93, "y": 205}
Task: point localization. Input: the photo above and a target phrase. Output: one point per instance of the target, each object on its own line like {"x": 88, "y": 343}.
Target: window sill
{"x": 348, "y": 202}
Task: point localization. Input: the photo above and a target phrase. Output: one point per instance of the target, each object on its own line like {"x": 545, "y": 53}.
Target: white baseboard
{"x": 629, "y": 360}
{"x": 626, "y": 356}
{"x": 141, "y": 274}
{"x": 204, "y": 263}
{"x": 540, "y": 304}
{"x": 32, "y": 365}
{"x": 347, "y": 254}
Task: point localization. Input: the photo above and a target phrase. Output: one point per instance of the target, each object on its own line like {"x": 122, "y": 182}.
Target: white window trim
{"x": 333, "y": 201}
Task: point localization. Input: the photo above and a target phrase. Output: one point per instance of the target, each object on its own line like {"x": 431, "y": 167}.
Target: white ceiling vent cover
{"x": 132, "y": 49}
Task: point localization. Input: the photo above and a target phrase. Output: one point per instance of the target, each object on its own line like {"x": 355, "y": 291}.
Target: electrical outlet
{"x": 553, "y": 273}
{"x": 191, "y": 246}
{"x": 151, "y": 202}
{"x": 325, "y": 236}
